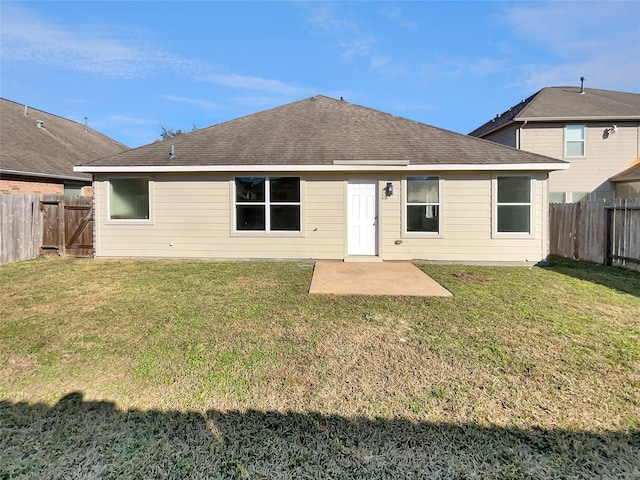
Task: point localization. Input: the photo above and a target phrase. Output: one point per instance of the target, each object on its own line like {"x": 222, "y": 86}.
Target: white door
{"x": 362, "y": 221}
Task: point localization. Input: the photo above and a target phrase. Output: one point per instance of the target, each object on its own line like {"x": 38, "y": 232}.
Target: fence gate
{"x": 595, "y": 232}
{"x": 623, "y": 234}
{"x": 67, "y": 226}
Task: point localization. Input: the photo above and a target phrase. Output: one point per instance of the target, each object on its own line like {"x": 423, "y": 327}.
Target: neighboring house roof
{"x": 631, "y": 174}
{"x": 50, "y": 150}
{"x": 319, "y": 133}
{"x": 562, "y": 104}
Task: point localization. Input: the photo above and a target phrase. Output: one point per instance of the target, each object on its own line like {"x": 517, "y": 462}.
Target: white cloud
{"x": 255, "y": 83}
{"x": 192, "y": 101}
{"x": 609, "y": 72}
{"x": 378, "y": 62}
{"x": 597, "y": 40}
{"x": 27, "y": 38}
{"x": 121, "y": 55}
{"x": 570, "y": 28}
{"x": 450, "y": 68}
{"x": 357, "y": 46}
{"x": 350, "y": 37}
{"x": 129, "y": 120}
{"x": 356, "y": 42}
{"x": 327, "y": 18}
{"x": 395, "y": 15}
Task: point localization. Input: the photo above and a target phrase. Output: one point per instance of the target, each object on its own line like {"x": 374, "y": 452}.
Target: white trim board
{"x": 457, "y": 167}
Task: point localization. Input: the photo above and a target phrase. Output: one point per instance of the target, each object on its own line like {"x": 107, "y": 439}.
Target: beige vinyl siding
{"x": 605, "y": 155}
{"x": 466, "y": 226}
{"x": 192, "y": 218}
{"x": 507, "y": 136}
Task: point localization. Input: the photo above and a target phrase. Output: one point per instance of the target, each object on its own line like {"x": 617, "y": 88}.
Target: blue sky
{"x": 131, "y": 67}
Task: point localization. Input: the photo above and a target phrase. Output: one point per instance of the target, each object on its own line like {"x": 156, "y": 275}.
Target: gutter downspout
{"x": 519, "y": 139}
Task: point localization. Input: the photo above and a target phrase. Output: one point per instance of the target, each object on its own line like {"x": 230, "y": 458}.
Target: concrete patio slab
{"x": 379, "y": 278}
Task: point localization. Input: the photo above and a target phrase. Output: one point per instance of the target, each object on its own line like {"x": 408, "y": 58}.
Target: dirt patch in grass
{"x": 473, "y": 277}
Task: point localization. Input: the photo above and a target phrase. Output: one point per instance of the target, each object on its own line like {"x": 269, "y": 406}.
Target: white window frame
{"x": 580, "y": 196}
{"x": 583, "y": 141}
{"x": 267, "y": 204}
{"x": 500, "y": 234}
{"x": 564, "y": 197}
{"x": 145, "y": 221}
{"x": 406, "y": 204}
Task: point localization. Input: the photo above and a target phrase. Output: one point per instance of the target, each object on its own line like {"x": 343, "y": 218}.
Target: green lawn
{"x": 186, "y": 369}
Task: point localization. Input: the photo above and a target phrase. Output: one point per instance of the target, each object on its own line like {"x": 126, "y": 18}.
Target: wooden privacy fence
{"x": 596, "y": 232}
{"x": 45, "y": 225}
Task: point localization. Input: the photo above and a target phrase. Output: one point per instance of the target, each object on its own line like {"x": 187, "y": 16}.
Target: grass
{"x": 173, "y": 369}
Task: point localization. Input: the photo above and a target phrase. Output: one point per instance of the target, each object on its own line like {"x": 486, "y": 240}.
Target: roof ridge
{"x": 561, "y": 103}
{"x": 30, "y": 108}
{"x": 41, "y": 111}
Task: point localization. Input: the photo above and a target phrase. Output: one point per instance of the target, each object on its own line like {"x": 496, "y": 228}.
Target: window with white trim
{"x": 557, "y": 197}
{"x": 423, "y": 204}
{"x": 129, "y": 198}
{"x": 267, "y": 204}
{"x": 574, "y": 140}
{"x": 513, "y": 204}
{"x": 577, "y": 197}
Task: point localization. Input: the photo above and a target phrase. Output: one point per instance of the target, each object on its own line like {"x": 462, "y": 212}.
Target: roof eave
{"x": 45, "y": 175}
{"x": 598, "y": 118}
{"x": 522, "y": 120}
{"x": 546, "y": 167}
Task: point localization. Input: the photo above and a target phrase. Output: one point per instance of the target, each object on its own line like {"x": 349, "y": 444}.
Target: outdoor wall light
{"x": 389, "y": 189}
{"x": 613, "y": 129}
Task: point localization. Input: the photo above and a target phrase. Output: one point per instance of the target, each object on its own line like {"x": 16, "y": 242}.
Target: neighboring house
{"x": 38, "y": 151}
{"x": 597, "y": 131}
{"x": 627, "y": 183}
{"x": 323, "y": 179}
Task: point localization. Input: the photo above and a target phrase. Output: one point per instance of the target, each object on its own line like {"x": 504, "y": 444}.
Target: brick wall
{"x": 23, "y": 185}
{"x": 30, "y": 187}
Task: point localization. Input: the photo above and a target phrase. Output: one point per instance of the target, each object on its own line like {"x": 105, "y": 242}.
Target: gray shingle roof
{"x": 50, "y": 151}
{"x": 320, "y": 131}
{"x": 568, "y": 104}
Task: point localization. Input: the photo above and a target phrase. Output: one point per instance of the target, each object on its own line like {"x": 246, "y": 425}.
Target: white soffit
{"x": 324, "y": 168}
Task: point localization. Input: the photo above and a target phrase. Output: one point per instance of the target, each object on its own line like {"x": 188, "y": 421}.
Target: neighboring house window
{"x": 72, "y": 190}
{"x": 574, "y": 135}
{"x": 423, "y": 204}
{"x": 267, "y": 204}
{"x": 557, "y": 197}
{"x": 628, "y": 189}
{"x": 579, "y": 197}
{"x": 129, "y": 199}
{"x": 514, "y": 204}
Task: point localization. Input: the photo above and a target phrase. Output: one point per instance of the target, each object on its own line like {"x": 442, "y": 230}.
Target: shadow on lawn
{"x": 78, "y": 439}
{"x": 625, "y": 281}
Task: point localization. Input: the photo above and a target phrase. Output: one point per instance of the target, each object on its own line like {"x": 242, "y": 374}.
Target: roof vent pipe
{"x": 172, "y": 154}
{"x": 86, "y": 125}
{"x": 26, "y": 111}
{"x": 582, "y": 92}
{"x": 39, "y": 123}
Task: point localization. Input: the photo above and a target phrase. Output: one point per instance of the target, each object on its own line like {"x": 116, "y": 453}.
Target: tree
{"x": 168, "y": 133}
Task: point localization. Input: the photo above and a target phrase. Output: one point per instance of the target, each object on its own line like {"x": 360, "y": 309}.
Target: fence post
{"x": 576, "y": 231}
{"x": 61, "y": 226}
{"x": 608, "y": 236}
